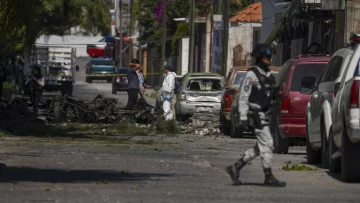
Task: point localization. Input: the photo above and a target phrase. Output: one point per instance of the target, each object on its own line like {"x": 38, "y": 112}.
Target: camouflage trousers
{"x": 264, "y": 144}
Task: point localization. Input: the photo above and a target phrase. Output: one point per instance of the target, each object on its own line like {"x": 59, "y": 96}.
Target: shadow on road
{"x": 28, "y": 174}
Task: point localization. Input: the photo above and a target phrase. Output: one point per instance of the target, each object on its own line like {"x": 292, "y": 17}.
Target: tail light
{"x": 183, "y": 96}
{"x": 354, "y": 94}
{"x": 117, "y": 78}
{"x": 228, "y": 102}
{"x": 285, "y": 105}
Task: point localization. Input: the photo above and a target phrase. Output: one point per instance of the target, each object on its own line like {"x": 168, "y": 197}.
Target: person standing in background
{"x": 168, "y": 87}
{"x": 133, "y": 83}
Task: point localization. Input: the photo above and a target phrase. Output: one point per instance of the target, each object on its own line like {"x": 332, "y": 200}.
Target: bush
{"x": 167, "y": 127}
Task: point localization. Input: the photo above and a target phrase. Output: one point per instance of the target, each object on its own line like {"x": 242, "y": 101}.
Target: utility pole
{"x": 226, "y": 8}
{"x": 163, "y": 41}
{"x": 130, "y": 30}
{"x": 120, "y": 32}
{"x": 191, "y": 37}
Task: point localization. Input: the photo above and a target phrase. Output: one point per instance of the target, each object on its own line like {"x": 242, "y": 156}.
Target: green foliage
{"x": 167, "y": 127}
{"x": 181, "y": 31}
{"x": 298, "y": 168}
{"x": 237, "y": 5}
{"x": 28, "y": 19}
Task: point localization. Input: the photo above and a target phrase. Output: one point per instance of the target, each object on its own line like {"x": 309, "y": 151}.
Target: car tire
{"x": 312, "y": 156}
{"x": 224, "y": 129}
{"x": 67, "y": 88}
{"x": 235, "y": 132}
{"x": 350, "y": 162}
{"x": 88, "y": 80}
{"x": 324, "y": 148}
{"x": 281, "y": 145}
{"x": 334, "y": 164}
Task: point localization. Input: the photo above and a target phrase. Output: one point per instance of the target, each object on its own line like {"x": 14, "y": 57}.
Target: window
{"x": 283, "y": 73}
{"x": 240, "y": 75}
{"x": 306, "y": 70}
{"x": 102, "y": 62}
{"x": 204, "y": 84}
{"x": 332, "y": 69}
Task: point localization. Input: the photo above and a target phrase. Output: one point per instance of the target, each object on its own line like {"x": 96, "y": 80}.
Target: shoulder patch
{"x": 246, "y": 88}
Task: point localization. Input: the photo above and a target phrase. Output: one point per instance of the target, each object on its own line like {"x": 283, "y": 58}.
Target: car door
{"x": 336, "y": 107}
{"x": 315, "y": 106}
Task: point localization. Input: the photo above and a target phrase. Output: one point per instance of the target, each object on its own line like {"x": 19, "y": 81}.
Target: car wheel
{"x": 281, "y": 145}
{"x": 312, "y": 156}
{"x": 324, "y": 148}
{"x": 235, "y": 132}
{"x": 334, "y": 164}
{"x": 225, "y": 129}
{"x": 350, "y": 163}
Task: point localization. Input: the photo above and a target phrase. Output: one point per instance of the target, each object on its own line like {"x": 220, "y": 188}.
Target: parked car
{"x": 120, "y": 82}
{"x": 199, "y": 92}
{"x": 159, "y": 102}
{"x": 344, "y": 137}
{"x": 287, "y": 120}
{"x": 100, "y": 69}
{"x": 229, "y": 114}
{"x": 318, "y": 110}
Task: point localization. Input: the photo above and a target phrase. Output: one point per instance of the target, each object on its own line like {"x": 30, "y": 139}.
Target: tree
{"x": 49, "y": 17}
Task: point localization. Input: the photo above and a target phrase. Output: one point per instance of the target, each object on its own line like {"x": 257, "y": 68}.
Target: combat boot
{"x": 270, "y": 179}
{"x": 234, "y": 171}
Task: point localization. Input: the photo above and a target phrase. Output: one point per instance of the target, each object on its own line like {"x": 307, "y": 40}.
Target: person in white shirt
{"x": 168, "y": 87}
{"x": 36, "y": 83}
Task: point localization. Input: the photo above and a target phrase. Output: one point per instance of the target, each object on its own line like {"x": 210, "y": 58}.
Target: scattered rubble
{"x": 205, "y": 124}
{"x": 101, "y": 110}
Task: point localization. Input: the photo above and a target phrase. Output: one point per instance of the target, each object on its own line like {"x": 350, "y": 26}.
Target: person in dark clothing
{"x": 36, "y": 84}
{"x": 133, "y": 83}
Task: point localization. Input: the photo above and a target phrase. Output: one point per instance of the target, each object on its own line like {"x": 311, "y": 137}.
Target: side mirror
{"x": 307, "y": 85}
{"x": 327, "y": 86}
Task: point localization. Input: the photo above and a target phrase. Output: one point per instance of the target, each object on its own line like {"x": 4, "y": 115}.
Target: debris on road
{"x": 205, "y": 124}
{"x": 295, "y": 167}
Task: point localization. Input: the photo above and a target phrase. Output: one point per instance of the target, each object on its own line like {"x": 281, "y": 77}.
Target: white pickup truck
{"x": 344, "y": 137}
{"x": 59, "y": 65}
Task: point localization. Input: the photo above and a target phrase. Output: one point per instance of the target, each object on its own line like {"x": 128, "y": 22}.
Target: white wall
{"x": 184, "y": 55}
{"x": 78, "y": 42}
{"x": 242, "y": 34}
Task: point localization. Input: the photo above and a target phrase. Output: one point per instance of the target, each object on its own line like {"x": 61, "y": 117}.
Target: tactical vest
{"x": 263, "y": 96}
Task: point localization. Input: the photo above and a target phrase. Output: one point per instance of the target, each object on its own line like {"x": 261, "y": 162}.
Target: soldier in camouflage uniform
{"x": 256, "y": 97}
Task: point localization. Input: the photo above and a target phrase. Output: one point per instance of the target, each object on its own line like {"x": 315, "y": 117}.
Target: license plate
{"x": 203, "y": 109}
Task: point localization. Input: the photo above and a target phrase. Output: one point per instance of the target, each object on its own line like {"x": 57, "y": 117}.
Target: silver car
{"x": 318, "y": 110}
{"x": 199, "y": 93}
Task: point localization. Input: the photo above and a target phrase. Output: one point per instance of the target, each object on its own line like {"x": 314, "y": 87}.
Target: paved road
{"x": 88, "y": 91}
{"x": 182, "y": 168}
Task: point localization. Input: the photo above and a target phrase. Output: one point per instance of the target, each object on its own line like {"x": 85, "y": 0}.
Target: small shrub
{"x": 167, "y": 127}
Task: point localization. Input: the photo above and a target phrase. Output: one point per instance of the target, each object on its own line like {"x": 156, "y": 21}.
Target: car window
{"x": 123, "y": 71}
{"x": 102, "y": 62}
{"x": 240, "y": 75}
{"x": 204, "y": 84}
{"x": 332, "y": 69}
{"x": 283, "y": 73}
{"x": 357, "y": 70}
{"x": 306, "y": 70}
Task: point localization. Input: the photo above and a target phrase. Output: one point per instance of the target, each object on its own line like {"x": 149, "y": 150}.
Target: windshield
{"x": 204, "y": 84}
{"x": 102, "y": 62}
{"x": 306, "y": 70}
{"x": 240, "y": 75}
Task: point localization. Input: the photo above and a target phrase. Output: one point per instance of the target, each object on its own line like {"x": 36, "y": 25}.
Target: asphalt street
{"x": 181, "y": 168}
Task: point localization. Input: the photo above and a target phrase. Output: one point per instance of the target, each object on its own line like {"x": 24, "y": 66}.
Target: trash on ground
{"x": 295, "y": 167}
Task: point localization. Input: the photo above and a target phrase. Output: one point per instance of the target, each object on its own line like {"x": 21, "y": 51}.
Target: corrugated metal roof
{"x": 251, "y": 13}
